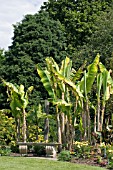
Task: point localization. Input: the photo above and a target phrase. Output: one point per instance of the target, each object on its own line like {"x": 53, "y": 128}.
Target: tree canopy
{"x": 77, "y": 16}
{"x": 35, "y": 38}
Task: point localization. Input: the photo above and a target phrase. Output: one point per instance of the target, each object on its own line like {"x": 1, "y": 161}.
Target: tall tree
{"x": 77, "y": 16}
{"x": 35, "y": 37}
{"x": 101, "y": 40}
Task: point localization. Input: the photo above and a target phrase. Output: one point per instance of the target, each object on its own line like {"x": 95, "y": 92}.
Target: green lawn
{"x": 24, "y": 163}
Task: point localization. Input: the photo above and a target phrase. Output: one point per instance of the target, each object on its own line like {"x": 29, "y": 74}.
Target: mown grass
{"x": 26, "y": 163}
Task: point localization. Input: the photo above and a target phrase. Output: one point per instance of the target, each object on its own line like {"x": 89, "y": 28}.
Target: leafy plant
{"x": 82, "y": 149}
{"x": 64, "y": 156}
{"x": 5, "y": 150}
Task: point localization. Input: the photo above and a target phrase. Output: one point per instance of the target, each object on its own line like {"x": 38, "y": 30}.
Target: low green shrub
{"x": 64, "y": 156}
{"x": 82, "y": 149}
{"x": 5, "y": 150}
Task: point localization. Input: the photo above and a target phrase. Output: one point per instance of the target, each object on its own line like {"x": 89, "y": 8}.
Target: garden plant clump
{"x": 5, "y": 150}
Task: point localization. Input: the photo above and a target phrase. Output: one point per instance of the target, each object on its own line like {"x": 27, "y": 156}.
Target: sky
{"x": 11, "y": 12}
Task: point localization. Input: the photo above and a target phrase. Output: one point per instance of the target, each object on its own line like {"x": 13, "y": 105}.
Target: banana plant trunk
{"x": 18, "y": 129}
{"x": 59, "y": 129}
{"x": 46, "y": 127}
{"x": 84, "y": 125}
{"x": 102, "y": 116}
{"x": 63, "y": 132}
{"x": 98, "y": 115}
{"x": 63, "y": 124}
{"x": 95, "y": 122}
{"x": 24, "y": 126}
{"x": 70, "y": 142}
{"x": 88, "y": 122}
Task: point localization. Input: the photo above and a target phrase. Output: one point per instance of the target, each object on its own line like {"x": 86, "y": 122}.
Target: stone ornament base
{"x": 23, "y": 149}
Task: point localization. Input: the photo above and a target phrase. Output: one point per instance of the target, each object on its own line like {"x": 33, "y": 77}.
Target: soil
{"x": 91, "y": 161}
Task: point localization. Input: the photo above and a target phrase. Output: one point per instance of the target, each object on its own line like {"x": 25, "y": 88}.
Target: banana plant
{"x": 106, "y": 94}
{"x": 18, "y": 99}
{"x": 85, "y": 86}
{"x": 64, "y": 75}
{"x": 61, "y": 84}
{"x": 50, "y": 84}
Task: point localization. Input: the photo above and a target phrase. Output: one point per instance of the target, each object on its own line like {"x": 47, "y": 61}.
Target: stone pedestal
{"x": 51, "y": 151}
{"x": 23, "y": 149}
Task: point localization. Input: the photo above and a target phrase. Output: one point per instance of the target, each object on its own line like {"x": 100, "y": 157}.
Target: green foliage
{"x": 101, "y": 40}
{"x": 77, "y": 16}
{"x": 82, "y": 149}
{"x": 7, "y": 128}
{"x": 39, "y": 150}
{"x": 64, "y": 155}
{"x": 35, "y": 37}
{"x": 5, "y": 151}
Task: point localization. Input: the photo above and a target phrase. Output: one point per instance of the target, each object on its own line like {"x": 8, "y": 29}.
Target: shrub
{"x": 5, "y": 150}
{"x": 64, "y": 156}
{"x": 82, "y": 149}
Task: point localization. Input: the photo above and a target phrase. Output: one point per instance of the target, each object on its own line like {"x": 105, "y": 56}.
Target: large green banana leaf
{"x": 106, "y": 74}
{"x": 68, "y": 82}
{"x": 50, "y": 62}
{"x": 76, "y": 75}
{"x": 106, "y": 85}
{"x": 10, "y": 85}
{"x": 66, "y": 67}
{"x": 18, "y": 98}
{"x": 14, "y": 97}
{"x": 90, "y": 75}
{"x": 44, "y": 75}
